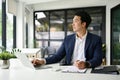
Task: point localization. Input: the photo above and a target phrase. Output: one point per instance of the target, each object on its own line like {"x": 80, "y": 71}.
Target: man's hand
{"x": 37, "y": 62}
{"x": 80, "y": 64}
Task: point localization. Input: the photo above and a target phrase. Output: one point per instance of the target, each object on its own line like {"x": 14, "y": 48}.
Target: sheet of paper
{"x": 74, "y": 69}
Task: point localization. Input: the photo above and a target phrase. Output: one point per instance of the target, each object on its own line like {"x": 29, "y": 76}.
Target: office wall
{"x": 20, "y": 25}
{"x": 24, "y": 15}
{"x": 30, "y": 28}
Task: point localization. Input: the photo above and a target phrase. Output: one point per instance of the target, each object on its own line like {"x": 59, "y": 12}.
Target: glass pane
{"x": 96, "y": 17}
{"x": 57, "y": 25}
{"x": 9, "y": 31}
{"x": 96, "y": 25}
{"x": 54, "y": 25}
{"x": 0, "y": 22}
{"x": 41, "y": 25}
{"x": 41, "y": 44}
{"x": 55, "y": 44}
{"x": 116, "y": 35}
{"x": 70, "y": 15}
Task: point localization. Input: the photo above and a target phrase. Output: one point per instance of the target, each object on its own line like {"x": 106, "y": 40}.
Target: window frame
{"x": 65, "y": 28}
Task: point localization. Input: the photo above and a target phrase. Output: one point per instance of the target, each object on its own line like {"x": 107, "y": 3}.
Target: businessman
{"x": 82, "y": 49}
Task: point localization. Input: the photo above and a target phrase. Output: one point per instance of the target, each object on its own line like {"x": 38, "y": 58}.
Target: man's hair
{"x": 85, "y": 17}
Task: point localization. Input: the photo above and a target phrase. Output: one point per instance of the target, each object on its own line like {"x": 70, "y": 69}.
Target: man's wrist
{"x": 44, "y": 61}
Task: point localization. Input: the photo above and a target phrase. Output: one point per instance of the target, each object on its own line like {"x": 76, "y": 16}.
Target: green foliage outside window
{"x": 116, "y": 53}
{"x": 116, "y": 48}
{"x": 0, "y": 22}
{"x": 9, "y": 28}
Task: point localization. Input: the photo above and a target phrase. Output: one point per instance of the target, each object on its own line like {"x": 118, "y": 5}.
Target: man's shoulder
{"x": 93, "y": 35}
{"x": 71, "y": 35}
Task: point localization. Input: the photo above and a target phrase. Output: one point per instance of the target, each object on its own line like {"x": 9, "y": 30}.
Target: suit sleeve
{"x": 59, "y": 55}
{"x": 97, "y": 54}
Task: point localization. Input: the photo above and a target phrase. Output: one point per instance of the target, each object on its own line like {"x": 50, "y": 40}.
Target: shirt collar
{"x": 83, "y": 37}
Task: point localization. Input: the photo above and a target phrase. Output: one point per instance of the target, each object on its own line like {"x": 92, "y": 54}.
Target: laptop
{"x": 26, "y": 62}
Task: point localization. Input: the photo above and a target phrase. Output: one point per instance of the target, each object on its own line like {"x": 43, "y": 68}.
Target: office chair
{"x": 50, "y": 51}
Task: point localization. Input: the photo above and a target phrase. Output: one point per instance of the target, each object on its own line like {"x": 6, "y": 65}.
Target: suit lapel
{"x": 71, "y": 49}
{"x": 72, "y": 45}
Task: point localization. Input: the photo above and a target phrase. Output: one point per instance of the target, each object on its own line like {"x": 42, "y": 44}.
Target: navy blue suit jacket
{"x": 93, "y": 50}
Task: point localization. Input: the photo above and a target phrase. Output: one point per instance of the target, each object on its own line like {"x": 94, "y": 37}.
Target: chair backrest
{"x": 50, "y": 51}
{"x": 43, "y": 52}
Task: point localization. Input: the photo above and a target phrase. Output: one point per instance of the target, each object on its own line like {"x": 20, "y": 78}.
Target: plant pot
{"x": 5, "y": 64}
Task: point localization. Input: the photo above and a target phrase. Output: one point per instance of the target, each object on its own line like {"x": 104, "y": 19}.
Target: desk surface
{"x": 18, "y": 72}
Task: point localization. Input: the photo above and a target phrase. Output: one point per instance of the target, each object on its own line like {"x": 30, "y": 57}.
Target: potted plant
{"x": 5, "y": 56}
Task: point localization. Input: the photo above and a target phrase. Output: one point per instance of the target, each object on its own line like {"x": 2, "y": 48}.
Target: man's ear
{"x": 84, "y": 24}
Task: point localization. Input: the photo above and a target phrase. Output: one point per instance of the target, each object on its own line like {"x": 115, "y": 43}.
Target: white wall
{"x": 20, "y": 25}
{"x": 30, "y": 28}
{"x": 22, "y": 18}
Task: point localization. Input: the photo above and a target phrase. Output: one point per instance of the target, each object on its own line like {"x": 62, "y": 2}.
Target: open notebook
{"x": 74, "y": 69}
{"x": 26, "y": 62}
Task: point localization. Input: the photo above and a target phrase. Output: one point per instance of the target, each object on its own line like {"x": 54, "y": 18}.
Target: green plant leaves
{"x": 5, "y": 55}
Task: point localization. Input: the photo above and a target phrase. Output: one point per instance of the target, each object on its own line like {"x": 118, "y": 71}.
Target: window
{"x": 9, "y": 28}
{"x": 9, "y": 31}
{"x": 52, "y": 26}
{"x": 6, "y": 26}
{"x": 41, "y": 28}
{"x": 115, "y": 35}
{"x": 57, "y": 19}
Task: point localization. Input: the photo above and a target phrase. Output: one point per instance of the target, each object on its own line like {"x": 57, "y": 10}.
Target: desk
{"x": 18, "y": 72}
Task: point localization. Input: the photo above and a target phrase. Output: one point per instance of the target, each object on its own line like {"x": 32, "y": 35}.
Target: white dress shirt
{"x": 78, "y": 53}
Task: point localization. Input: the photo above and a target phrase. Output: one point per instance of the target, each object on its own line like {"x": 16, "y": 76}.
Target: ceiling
{"x": 38, "y": 5}
{"x": 37, "y": 1}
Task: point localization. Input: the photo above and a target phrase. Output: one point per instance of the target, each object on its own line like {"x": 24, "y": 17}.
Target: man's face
{"x": 77, "y": 24}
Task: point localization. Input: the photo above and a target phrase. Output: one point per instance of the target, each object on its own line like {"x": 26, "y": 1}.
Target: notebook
{"x": 73, "y": 69}
{"x": 26, "y": 62}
